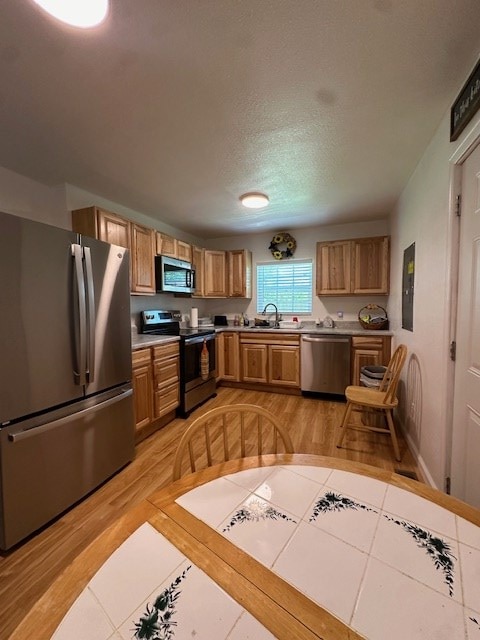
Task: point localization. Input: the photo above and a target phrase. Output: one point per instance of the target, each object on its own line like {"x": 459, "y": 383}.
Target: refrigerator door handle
{"x": 91, "y": 315}
{"x": 80, "y": 322}
{"x": 24, "y": 434}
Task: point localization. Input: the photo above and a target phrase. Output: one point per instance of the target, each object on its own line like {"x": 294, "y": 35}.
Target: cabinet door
{"x": 240, "y": 273}
{"x": 103, "y": 225}
{"x": 374, "y": 350}
{"x": 142, "y": 382}
{"x": 229, "y": 356}
{"x": 166, "y": 245}
{"x": 371, "y": 266}
{"x": 198, "y": 263}
{"x": 215, "y": 274}
{"x": 113, "y": 229}
{"x": 284, "y": 365}
{"x": 184, "y": 251}
{"x": 254, "y": 362}
{"x": 334, "y": 273}
{"x": 142, "y": 258}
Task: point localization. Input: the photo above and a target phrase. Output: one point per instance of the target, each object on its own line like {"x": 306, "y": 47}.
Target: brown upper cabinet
{"x": 239, "y": 262}
{"x": 198, "y": 264}
{"x": 222, "y": 274}
{"x": 353, "y": 267}
{"x": 112, "y": 228}
{"x": 143, "y": 259}
{"x": 103, "y": 225}
{"x": 169, "y": 246}
{"x": 214, "y": 274}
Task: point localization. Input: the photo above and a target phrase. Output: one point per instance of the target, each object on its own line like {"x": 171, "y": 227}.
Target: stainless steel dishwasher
{"x": 325, "y": 363}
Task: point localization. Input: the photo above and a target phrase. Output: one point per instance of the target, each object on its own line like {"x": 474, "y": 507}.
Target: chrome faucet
{"x": 270, "y": 304}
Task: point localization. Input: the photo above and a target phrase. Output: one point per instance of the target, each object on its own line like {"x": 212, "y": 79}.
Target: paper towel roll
{"x": 194, "y": 317}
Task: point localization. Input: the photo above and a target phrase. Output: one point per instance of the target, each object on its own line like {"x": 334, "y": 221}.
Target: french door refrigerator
{"x": 66, "y": 409}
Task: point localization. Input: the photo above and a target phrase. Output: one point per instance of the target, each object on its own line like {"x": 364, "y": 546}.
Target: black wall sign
{"x": 408, "y": 282}
{"x": 466, "y": 104}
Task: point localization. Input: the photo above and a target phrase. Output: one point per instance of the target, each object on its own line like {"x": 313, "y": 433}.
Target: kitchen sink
{"x": 256, "y": 327}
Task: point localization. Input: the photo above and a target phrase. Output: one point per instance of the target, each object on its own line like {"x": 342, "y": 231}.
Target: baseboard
{"x": 427, "y": 477}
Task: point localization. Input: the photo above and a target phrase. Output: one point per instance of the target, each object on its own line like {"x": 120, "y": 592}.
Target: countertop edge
{"x": 141, "y": 341}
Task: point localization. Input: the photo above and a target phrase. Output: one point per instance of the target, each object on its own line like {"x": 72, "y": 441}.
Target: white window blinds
{"x": 286, "y": 284}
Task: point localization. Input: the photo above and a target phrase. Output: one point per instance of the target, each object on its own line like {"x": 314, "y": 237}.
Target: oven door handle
{"x": 197, "y": 339}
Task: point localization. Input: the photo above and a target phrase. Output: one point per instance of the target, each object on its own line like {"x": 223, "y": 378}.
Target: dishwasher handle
{"x": 324, "y": 339}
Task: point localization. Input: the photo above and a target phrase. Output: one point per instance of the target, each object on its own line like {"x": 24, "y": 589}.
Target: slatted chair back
{"x": 230, "y": 432}
{"x": 391, "y": 376}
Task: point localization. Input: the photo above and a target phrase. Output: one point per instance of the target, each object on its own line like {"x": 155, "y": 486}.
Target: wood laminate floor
{"x": 29, "y": 569}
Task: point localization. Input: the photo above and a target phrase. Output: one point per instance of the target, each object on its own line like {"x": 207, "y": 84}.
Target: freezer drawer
{"x": 325, "y": 364}
{"x": 46, "y": 467}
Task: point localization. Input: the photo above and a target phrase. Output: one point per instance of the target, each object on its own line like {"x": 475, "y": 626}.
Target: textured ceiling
{"x": 175, "y": 108}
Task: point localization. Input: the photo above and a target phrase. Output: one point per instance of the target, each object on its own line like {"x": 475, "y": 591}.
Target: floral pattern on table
{"x": 336, "y": 502}
{"x": 255, "y": 511}
{"x": 157, "y": 622}
{"x": 438, "y": 550}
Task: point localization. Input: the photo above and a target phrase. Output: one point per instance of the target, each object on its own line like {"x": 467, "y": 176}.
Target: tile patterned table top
{"x": 148, "y": 589}
{"x": 384, "y": 561}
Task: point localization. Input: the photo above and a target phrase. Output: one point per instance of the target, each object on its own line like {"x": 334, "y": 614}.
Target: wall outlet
{"x": 339, "y": 314}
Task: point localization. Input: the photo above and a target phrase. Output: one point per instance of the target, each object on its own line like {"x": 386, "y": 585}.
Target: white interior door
{"x": 465, "y": 470}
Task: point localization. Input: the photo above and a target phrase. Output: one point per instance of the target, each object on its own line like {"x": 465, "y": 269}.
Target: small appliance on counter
{"x": 220, "y": 321}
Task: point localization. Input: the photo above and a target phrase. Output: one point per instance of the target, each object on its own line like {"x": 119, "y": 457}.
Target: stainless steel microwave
{"x": 173, "y": 276}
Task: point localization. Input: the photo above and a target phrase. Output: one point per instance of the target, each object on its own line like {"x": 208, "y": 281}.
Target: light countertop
{"x": 140, "y": 341}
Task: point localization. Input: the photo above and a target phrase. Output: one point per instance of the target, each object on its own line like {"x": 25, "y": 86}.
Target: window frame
{"x": 284, "y": 264}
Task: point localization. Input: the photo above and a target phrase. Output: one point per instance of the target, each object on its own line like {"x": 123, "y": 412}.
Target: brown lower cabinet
{"x": 166, "y": 370}
{"x": 228, "y": 356}
{"x": 270, "y": 359}
{"x": 142, "y": 381}
{"x": 256, "y": 357}
{"x": 155, "y": 380}
{"x": 369, "y": 350}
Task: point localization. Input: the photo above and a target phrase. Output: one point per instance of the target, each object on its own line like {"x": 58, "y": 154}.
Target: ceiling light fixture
{"x": 77, "y": 13}
{"x": 254, "y": 200}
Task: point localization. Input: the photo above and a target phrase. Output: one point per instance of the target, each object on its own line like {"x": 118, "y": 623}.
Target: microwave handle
{"x": 191, "y": 279}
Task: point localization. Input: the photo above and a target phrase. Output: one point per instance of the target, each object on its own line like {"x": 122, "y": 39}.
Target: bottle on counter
{"x": 241, "y": 320}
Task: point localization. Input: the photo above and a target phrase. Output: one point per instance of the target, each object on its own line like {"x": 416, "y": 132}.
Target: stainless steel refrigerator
{"x": 66, "y": 407}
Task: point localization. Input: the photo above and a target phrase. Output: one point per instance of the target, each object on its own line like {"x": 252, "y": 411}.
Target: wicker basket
{"x": 378, "y": 322}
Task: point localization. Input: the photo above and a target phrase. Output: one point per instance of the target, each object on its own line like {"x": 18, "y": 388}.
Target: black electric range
{"x": 195, "y": 387}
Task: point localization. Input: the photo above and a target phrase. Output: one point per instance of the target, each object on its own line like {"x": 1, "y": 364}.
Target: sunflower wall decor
{"x": 283, "y": 245}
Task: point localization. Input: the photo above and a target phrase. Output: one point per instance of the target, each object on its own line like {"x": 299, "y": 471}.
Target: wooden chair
{"x": 376, "y": 401}
{"x": 230, "y": 432}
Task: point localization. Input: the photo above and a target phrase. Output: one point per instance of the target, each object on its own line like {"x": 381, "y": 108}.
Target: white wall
{"x": 422, "y": 216}
{"x": 77, "y": 198}
{"x": 27, "y": 198}
{"x": 306, "y": 239}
